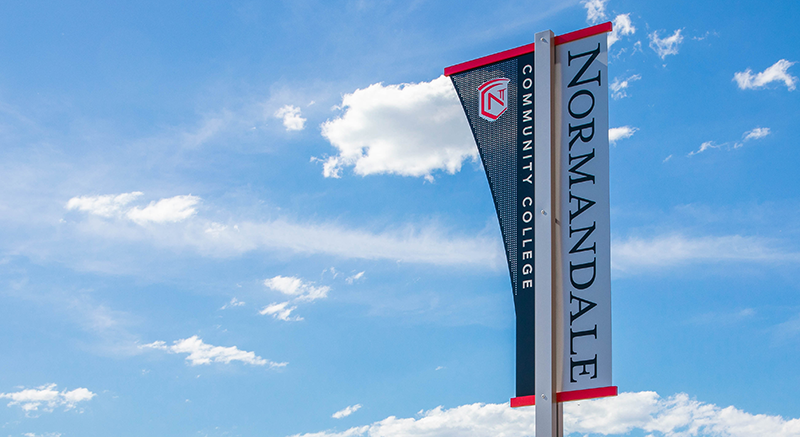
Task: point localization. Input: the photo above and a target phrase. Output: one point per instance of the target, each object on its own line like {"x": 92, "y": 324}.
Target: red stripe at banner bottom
{"x": 566, "y": 396}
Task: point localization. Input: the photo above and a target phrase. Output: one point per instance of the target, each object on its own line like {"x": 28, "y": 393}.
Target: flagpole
{"x": 547, "y": 409}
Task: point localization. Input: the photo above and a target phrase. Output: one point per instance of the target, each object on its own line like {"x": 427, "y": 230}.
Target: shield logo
{"x": 494, "y": 98}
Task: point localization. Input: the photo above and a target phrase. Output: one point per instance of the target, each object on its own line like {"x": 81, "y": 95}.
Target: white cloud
{"x": 666, "y": 46}
{"x": 333, "y": 272}
{"x": 296, "y": 287}
{"x": 636, "y": 254}
{"x": 210, "y": 127}
{"x": 756, "y": 134}
{"x": 300, "y": 290}
{"x": 595, "y": 10}
{"x": 47, "y": 434}
{"x": 346, "y": 411}
{"x": 215, "y": 228}
{"x": 618, "y": 86}
{"x": 77, "y": 395}
{"x": 354, "y": 278}
{"x": 281, "y": 311}
{"x": 705, "y": 146}
{"x": 292, "y": 120}
{"x": 285, "y": 284}
{"x": 675, "y": 416}
{"x": 776, "y": 73}
{"x": 233, "y": 303}
{"x": 623, "y": 26}
{"x": 428, "y": 244}
{"x": 409, "y": 130}
{"x": 202, "y": 353}
{"x": 620, "y": 133}
{"x": 723, "y": 318}
{"x": 108, "y": 205}
{"x": 48, "y": 398}
{"x": 705, "y": 35}
{"x": 172, "y": 209}
{"x": 788, "y": 329}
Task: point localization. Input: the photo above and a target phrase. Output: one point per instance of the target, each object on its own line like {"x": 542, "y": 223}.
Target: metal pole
{"x": 547, "y": 417}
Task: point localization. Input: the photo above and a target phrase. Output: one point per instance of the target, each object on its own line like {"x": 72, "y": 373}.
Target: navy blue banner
{"x": 498, "y": 101}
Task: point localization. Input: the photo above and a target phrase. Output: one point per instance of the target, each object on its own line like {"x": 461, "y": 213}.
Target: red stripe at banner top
{"x": 490, "y": 59}
{"x": 528, "y": 48}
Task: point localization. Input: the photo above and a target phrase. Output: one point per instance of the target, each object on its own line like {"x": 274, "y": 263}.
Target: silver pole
{"x": 547, "y": 411}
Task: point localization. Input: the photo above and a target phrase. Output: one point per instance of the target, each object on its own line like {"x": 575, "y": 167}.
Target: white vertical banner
{"x": 583, "y": 250}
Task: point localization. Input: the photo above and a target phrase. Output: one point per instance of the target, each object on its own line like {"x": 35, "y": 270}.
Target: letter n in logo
{"x": 494, "y": 98}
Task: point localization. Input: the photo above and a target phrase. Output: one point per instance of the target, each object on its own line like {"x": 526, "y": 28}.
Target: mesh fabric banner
{"x": 498, "y": 101}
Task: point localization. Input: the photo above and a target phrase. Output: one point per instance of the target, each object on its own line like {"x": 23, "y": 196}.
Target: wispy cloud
{"x": 705, "y": 146}
{"x": 354, "y": 278}
{"x": 167, "y": 210}
{"x": 299, "y": 290}
{"x": 755, "y": 134}
{"x": 48, "y": 398}
{"x": 619, "y": 86}
{"x": 428, "y": 244}
{"x": 409, "y": 129}
{"x": 233, "y": 303}
{"x": 623, "y": 26}
{"x": 620, "y": 133}
{"x": 637, "y": 254}
{"x": 108, "y": 205}
{"x": 209, "y": 127}
{"x": 778, "y": 72}
{"x": 666, "y": 46}
{"x": 171, "y": 210}
{"x": 723, "y": 318}
{"x": 281, "y": 311}
{"x": 292, "y": 120}
{"x": 346, "y": 411}
{"x": 242, "y": 122}
{"x": 788, "y": 330}
{"x": 647, "y": 412}
{"x": 203, "y": 353}
{"x": 705, "y": 35}
{"x": 595, "y": 10}
{"x": 332, "y": 271}
{"x": 109, "y": 330}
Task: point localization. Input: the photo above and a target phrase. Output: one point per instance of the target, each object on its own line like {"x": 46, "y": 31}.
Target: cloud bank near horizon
{"x": 675, "y": 416}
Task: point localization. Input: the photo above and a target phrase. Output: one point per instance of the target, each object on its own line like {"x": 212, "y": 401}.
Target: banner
{"x": 497, "y": 95}
{"x": 584, "y": 250}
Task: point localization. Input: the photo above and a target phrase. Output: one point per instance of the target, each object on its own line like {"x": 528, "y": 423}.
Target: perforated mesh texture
{"x": 497, "y": 142}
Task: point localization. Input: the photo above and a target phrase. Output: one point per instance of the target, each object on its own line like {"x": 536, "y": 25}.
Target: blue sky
{"x": 267, "y": 219}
